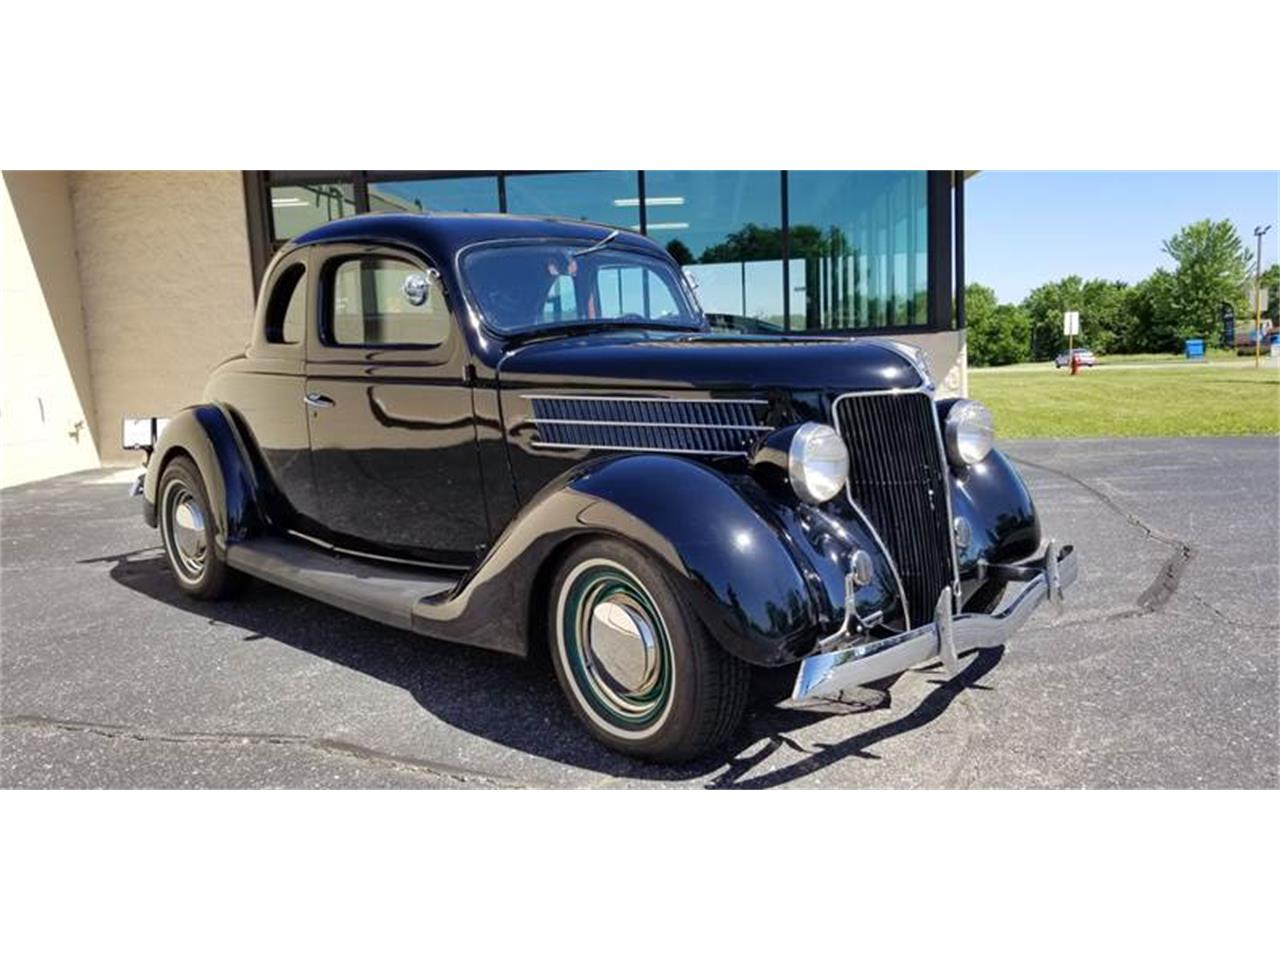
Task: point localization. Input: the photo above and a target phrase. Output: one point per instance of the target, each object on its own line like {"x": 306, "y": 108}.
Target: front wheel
{"x": 637, "y": 666}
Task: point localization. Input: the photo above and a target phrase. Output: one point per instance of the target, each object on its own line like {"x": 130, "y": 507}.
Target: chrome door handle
{"x": 317, "y": 400}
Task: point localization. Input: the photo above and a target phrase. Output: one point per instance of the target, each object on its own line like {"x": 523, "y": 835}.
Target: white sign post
{"x": 1071, "y": 327}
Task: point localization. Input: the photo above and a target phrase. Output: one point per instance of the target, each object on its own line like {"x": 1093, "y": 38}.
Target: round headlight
{"x": 970, "y": 432}
{"x": 818, "y": 463}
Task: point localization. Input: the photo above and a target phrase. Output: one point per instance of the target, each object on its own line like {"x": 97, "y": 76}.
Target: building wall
{"x": 166, "y": 285}
{"x": 47, "y": 414}
{"x": 121, "y": 290}
{"x": 948, "y": 357}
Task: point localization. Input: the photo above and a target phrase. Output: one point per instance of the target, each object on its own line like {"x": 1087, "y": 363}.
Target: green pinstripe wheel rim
{"x": 616, "y": 646}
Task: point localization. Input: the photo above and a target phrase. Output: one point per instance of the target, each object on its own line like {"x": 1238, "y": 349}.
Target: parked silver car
{"x": 1084, "y": 358}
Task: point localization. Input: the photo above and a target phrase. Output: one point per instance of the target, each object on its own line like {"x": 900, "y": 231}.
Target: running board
{"x": 379, "y": 591}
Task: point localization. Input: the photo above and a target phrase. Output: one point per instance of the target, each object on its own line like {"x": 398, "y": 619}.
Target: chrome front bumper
{"x": 849, "y": 658}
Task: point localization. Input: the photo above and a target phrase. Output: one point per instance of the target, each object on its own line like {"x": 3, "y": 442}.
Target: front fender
{"x": 732, "y": 561}
{"x": 207, "y": 435}
{"x": 993, "y": 498}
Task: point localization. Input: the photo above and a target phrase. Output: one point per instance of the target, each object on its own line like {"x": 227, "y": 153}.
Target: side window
{"x": 368, "y": 306}
{"x": 287, "y": 308}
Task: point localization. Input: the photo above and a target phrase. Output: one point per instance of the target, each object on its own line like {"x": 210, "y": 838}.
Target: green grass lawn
{"x": 1210, "y": 353}
{"x": 1201, "y": 401}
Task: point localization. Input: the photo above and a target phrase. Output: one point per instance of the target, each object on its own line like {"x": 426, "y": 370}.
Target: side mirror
{"x": 417, "y": 287}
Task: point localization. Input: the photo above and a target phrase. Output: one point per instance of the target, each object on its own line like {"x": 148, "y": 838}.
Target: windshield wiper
{"x": 598, "y": 246}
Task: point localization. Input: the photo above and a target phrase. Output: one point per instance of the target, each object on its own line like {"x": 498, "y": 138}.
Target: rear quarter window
{"x": 287, "y": 307}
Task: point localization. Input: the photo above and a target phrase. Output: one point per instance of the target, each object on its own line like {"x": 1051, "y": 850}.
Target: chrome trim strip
{"x": 594, "y": 446}
{"x": 893, "y": 565}
{"x": 863, "y": 661}
{"x": 610, "y": 398}
{"x": 375, "y": 556}
{"x": 316, "y": 540}
{"x": 648, "y": 423}
{"x": 951, "y": 517}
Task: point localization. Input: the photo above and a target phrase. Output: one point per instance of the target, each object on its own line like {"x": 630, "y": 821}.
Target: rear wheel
{"x": 187, "y": 534}
{"x": 638, "y": 668}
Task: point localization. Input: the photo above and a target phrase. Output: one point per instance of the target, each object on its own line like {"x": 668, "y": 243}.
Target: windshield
{"x": 533, "y": 287}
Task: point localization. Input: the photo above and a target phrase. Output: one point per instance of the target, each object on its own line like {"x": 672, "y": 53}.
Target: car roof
{"x": 441, "y": 235}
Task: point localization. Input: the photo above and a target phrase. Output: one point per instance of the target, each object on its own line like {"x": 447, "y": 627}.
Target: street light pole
{"x": 1258, "y": 232}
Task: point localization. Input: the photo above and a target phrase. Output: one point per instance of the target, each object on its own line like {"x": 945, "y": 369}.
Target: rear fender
{"x": 208, "y": 436}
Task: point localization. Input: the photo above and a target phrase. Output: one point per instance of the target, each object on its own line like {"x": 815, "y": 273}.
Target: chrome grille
{"x": 897, "y": 477}
{"x": 707, "y": 427}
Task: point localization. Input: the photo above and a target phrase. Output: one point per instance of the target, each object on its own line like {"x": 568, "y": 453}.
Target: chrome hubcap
{"x": 623, "y": 648}
{"x": 185, "y": 532}
{"x": 616, "y": 647}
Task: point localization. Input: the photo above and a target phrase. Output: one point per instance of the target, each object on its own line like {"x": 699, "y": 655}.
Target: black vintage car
{"x": 516, "y": 432}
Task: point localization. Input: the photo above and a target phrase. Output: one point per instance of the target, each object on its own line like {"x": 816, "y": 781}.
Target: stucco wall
{"x": 46, "y": 396}
{"x": 166, "y": 285}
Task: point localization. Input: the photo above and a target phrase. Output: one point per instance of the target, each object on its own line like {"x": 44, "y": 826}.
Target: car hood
{"x": 730, "y": 363}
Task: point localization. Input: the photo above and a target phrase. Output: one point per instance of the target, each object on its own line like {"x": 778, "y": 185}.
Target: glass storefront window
{"x": 859, "y": 249}
{"x": 857, "y": 240}
{"x": 604, "y": 196}
{"x": 725, "y": 227}
{"x": 296, "y": 210}
{"x": 452, "y": 194}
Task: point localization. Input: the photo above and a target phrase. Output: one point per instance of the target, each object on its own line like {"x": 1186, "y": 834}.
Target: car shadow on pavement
{"x": 512, "y": 702}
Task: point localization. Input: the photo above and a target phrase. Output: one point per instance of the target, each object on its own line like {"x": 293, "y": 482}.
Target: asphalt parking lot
{"x": 1162, "y": 672}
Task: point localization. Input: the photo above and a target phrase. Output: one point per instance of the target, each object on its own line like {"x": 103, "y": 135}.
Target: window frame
{"x": 294, "y": 265}
{"x": 326, "y": 258}
{"x": 271, "y": 349}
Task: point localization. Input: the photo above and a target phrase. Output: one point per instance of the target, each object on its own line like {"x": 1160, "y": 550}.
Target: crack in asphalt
{"x": 1224, "y": 617}
{"x": 327, "y": 745}
{"x": 1169, "y": 577}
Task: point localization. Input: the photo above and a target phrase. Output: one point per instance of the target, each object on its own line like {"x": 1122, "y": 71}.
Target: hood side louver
{"x": 716, "y": 428}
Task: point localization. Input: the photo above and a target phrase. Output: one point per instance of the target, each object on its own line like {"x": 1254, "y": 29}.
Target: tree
{"x": 1213, "y": 267}
{"x": 680, "y": 253}
{"x": 1044, "y": 306}
{"x": 1152, "y": 305}
{"x": 752, "y": 242}
{"x": 997, "y": 333}
{"x": 1105, "y": 320}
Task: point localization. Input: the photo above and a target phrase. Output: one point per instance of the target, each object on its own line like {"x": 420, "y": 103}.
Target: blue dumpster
{"x": 1195, "y": 349}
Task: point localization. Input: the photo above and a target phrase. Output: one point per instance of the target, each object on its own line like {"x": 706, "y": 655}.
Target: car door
{"x": 393, "y": 435}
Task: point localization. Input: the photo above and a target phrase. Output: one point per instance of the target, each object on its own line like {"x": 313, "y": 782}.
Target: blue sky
{"x": 1023, "y": 229}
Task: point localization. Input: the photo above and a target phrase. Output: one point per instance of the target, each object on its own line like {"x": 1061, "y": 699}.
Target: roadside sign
{"x": 1071, "y": 323}
{"x": 1228, "y": 315}
{"x": 1258, "y": 294}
